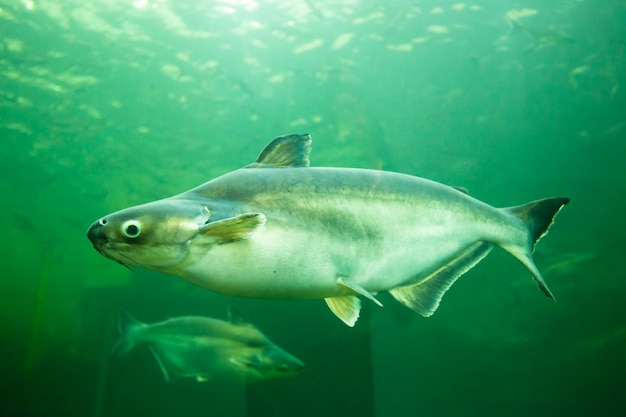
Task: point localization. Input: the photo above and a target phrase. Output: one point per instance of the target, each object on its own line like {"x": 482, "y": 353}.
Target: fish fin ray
{"x": 538, "y": 216}
{"x": 358, "y": 289}
{"x": 236, "y": 317}
{"x": 234, "y": 228}
{"x": 242, "y": 362}
{"x": 164, "y": 365}
{"x": 425, "y": 296}
{"x": 289, "y": 151}
{"x": 346, "y": 308}
{"x": 127, "y": 326}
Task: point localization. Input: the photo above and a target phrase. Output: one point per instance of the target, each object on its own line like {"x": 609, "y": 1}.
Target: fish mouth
{"x": 295, "y": 367}
{"x": 98, "y": 245}
{"x": 102, "y": 244}
{"x": 99, "y": 241}
{"x": 97, "y": 237}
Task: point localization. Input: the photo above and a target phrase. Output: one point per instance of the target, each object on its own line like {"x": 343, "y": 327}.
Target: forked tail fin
{"x": 128, "y": 326}
{"x": 538, "y": 216}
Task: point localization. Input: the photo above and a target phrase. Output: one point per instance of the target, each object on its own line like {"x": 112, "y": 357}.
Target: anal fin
{"x": 425, "y": 296}
{"x": 346, "y": 308}
{"x": 164, "y": 365}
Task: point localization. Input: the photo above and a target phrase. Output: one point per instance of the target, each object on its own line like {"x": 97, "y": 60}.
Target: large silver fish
{"x": 278, "y": 228}
{"x": 208, "y": 349}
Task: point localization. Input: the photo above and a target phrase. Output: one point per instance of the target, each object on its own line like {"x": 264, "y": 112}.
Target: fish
{"x": 207, "y": 349}
{"x": 279, "y": 228}
{"x": 540, "y": 37}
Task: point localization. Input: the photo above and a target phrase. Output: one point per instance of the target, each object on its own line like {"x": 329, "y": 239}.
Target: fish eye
{"x": 131, "y": 228}
{"x": 102, "y": 222}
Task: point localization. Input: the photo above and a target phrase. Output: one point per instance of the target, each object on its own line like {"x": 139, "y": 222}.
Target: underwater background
{"x": 106, "y": 104}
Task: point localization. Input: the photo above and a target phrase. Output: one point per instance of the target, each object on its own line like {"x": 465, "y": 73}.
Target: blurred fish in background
{"x": 208, "y": 349}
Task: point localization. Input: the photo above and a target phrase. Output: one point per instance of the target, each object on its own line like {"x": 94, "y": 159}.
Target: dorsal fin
{"x": 236, "y": 317}
{"x": 289, "y": 151}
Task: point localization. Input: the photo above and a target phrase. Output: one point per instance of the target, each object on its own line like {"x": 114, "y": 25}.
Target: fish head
{"x": 269, "y": 362}
{"x": 154, "y": 236}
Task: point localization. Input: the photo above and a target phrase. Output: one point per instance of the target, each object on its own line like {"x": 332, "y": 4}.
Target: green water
{"x": 106, "y": 104}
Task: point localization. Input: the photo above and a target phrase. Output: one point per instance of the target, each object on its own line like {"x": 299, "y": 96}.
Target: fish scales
{"x": 369, "y": 225}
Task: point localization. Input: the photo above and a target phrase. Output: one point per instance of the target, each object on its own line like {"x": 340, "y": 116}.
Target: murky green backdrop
{"x": 106, "y": 104}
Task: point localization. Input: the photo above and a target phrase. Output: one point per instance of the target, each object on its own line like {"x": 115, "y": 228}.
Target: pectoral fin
{"x": 352, "y": 286}
{"x": 346, "y": 307}
{"x": 234, "y": 228}
{"x": 246, "y": 362}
